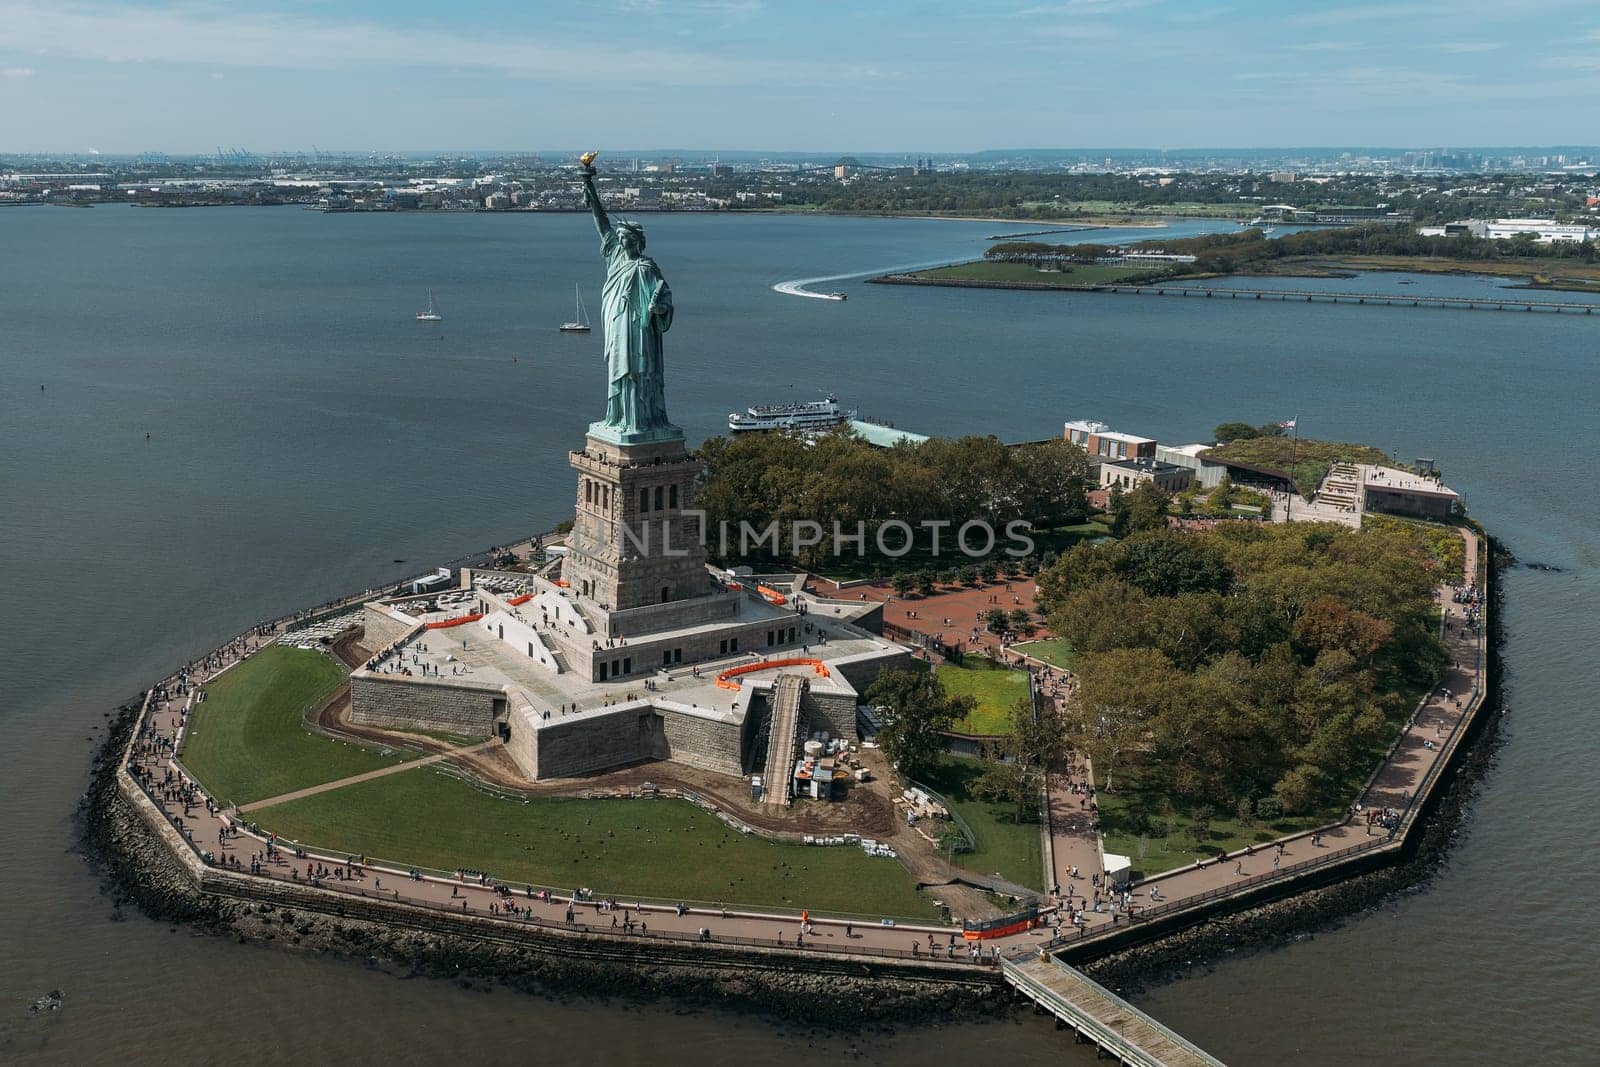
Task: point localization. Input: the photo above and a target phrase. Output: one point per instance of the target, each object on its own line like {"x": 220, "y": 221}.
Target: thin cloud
{"x": 16, "y": 72}
{"x": 219, "y": 38}
{"x": 1327, "y": 46}
{"x": 1202, "y": 14}
{"x": 1583, "y": 62}
{"x": 1339, "y": 16}
{"x": 1082, "y": 7}
{"x": 1462, "y": 48}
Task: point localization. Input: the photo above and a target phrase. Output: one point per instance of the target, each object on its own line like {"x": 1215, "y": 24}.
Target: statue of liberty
{"x": 636, "y": 309}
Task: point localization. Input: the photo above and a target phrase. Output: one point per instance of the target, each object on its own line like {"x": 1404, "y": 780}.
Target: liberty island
{"x": 556, "y": 672}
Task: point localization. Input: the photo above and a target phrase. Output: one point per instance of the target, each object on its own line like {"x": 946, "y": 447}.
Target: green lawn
{"x": 1055, "y": 651}
{"x": 992, "y": 271}
{"x": 659, "y": 848}
{"x": 1004, "y": 847}
{"x": 246, "y": 741}
{"x": 995, "y": 688}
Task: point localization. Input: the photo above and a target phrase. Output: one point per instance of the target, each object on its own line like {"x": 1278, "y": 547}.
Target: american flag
{"x": 1287, "y": 424}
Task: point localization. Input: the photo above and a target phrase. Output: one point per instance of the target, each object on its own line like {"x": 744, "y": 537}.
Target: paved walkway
{"x": 311, "y": 791}
{"x": 1418, "y": 751}
{"x": 952, "y": 615}
{"x": 1075, "y": 845}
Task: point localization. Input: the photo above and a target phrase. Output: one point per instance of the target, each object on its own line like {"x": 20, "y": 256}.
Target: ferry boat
{"x": 813, "y": 415}
{"x": 430, "y": 315}
{"x": 581, "y": 323}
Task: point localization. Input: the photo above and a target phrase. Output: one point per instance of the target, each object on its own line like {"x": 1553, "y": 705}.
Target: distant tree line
{"x": 1242, "y": 250}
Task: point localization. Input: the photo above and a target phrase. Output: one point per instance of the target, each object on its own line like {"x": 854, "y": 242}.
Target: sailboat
{"x": 430, "y": 315}
{"x": 581, "y": 323}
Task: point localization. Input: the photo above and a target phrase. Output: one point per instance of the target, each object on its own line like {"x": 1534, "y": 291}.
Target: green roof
{"x": 885, "y": 436}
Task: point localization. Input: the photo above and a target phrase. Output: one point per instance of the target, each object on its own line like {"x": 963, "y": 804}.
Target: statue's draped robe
{"x": 635, "y": 401}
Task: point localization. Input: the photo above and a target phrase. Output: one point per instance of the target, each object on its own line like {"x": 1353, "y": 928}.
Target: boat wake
{"x": 799, "y": 286}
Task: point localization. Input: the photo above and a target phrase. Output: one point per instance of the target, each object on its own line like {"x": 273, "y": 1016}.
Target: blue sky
{"x": 188, "y": 75}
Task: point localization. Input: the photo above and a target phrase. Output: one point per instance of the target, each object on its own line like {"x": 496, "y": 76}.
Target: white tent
{"x": 1119, "y": 869}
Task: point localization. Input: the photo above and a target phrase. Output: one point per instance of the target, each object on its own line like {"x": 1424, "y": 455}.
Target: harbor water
{"x": 307, "y": 437}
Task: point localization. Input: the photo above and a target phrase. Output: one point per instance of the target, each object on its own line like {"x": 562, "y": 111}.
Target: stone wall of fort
{"x": 384, "y": 626}
{"x": 588, "y": 742}
{"x": 564, "y": 747}
{"x": 833, "y": 710}
{"x": 424, "y": 704}
{"x": 861, "y": 671}
{"x": 711, "y": 744}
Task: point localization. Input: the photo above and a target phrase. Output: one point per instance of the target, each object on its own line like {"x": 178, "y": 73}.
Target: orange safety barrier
{"x": 771, "y": 595}
{"x": 562, "y": 583}
{"x": 445, "y": 624}
{"x": 999, "y": 931}
{"x": 725, "y": 679}
{"x": 523, "y": 599}
{"x": 735, "y": 585}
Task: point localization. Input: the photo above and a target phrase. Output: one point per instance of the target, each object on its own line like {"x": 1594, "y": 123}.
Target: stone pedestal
{"x": 632, "y": 543}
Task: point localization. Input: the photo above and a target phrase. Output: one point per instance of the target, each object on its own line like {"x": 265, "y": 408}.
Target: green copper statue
{"x": 636, "y": 309}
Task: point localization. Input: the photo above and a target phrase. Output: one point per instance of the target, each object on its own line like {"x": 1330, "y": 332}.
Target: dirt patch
{"x": 351, "y": 649}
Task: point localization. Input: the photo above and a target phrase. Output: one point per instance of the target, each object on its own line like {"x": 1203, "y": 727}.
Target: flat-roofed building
{"x": 1126, "y": 474}
{"x": 1206, "y": 472}
{"x": 1404, "y": 492}
{"x": 1104, "y": 443}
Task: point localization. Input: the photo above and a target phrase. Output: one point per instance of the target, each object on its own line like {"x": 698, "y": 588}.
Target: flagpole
{"x": 1294, "y": 451}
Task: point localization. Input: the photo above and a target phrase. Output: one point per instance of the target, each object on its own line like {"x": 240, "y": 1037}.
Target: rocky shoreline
{"x": 139, "y": 869}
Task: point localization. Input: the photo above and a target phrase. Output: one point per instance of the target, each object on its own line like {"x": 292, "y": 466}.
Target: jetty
{"x": 1099, "y": 1016}
{"x": 1325, "y": 296}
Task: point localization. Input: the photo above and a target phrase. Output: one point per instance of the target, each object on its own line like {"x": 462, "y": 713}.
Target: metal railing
{"x": 969, "y": 838}
{"x": 1104, "y": 1034}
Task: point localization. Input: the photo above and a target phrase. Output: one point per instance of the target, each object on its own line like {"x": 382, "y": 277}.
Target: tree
{"x": 1233, "y": 431}
{"x": 925, "y": 582}
{"x": 903, "y": 584}
{"x": 1221, "y": 498}
{"x": 920, "y": 711}
{"x": 1008, "y": 782}
{"x": 1167, "y": 563}
{"x": 1037, "y": 740}
{"x": 995, "y": 620}
{"x": 1200, "y": 824}
{"x": 1119, "y": 694}
{"x": 1146, "y": 507}
{"x": 1052, "y": 479}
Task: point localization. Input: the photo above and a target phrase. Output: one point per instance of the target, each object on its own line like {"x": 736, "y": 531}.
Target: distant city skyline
{"x": 932, "y": 77}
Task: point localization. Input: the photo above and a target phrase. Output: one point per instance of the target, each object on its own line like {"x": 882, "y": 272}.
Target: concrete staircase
{"x": 562, "y": 667}
{"x": 1341, "y": 488}
{"x": 786, "y": 694}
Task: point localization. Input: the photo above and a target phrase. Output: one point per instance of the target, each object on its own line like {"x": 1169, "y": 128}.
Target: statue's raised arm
{"x": 590, "y": 196}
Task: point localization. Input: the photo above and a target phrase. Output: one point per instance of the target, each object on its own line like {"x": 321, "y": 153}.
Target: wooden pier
{"x": 1114, "y": 1026}
{"x": 1327, "y": 296}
